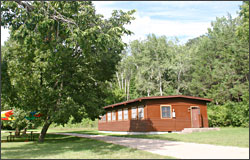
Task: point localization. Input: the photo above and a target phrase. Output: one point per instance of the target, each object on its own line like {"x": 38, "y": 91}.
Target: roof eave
{"x": 157, "y": 97}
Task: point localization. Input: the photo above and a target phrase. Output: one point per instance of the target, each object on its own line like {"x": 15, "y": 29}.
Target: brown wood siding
{"x": 114, "y": 126}
{"x": 204, "y": 116}
{"x": 182, "y": 113}
{"x": 152, "y": 116}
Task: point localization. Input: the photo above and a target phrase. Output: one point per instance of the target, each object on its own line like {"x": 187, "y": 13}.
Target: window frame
{"x": 136, "y": 116}
{"x": 114, "y": 111}
{"x": 166, "y": 105}
{"x": 141, "y": 106}
{"x": 124, "y": 114}
{"x": 103, "y": 118}
{"x": 119, "y": 110}
{"x": 109, "y": 113}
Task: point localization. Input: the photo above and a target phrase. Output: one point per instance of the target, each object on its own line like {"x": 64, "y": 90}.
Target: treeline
{"x": 214, "y": 65}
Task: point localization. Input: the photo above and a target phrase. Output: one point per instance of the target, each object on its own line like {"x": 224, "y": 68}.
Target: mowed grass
{"x": 5, "y": 133}
{"x": 226, "y": 136}
{"x": 69, "y": 147}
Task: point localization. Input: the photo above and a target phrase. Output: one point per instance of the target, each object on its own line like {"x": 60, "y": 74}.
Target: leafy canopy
{"x": 58, "y": 57}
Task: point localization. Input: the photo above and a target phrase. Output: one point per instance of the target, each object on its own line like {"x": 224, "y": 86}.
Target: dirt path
{"x": 182, "y": 150}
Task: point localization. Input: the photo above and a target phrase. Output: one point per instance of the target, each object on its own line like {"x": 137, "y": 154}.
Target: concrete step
{"x": 191, "y": 130}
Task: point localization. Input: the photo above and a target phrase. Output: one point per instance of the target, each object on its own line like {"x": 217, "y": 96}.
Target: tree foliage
{"x": 243, "y": 29}
{"x": 214, "y": 65}
{"x": 59, "y": 56}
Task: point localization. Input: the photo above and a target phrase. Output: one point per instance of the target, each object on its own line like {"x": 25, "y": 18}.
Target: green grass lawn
{"x": 4, "y": 134}
{"x": 226, "y": 136}
{"x": 69, "y": 147}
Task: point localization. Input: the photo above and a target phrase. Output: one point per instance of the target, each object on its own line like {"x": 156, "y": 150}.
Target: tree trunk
{"x": 128, "y": 91}
{"x": 160, "y": 83}
{"x": 122, "y": 80}
{"x": 178, "y": 82}
{"x": 117, "y": 75}
{"x": 44, "y": 131}
{"x": 160, "y": 88}
{"x": 17, "y": 132}
{"x": 125, "y": 87}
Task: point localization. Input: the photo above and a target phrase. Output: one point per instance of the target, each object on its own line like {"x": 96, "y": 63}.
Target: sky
{"x": 182, "y": 19}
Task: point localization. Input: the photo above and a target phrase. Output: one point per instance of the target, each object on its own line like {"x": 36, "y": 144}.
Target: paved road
{"x": 182, "y": 150}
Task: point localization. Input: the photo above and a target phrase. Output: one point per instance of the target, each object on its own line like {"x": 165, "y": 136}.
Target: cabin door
{"x": 195, "y": 117}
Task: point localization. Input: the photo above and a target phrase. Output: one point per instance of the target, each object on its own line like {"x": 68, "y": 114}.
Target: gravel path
{"x": 182, "y": 150}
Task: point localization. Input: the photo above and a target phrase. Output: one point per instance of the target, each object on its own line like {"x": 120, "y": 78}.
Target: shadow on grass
{"x": 94, "y": 132}
{"x": 58, "y": 144}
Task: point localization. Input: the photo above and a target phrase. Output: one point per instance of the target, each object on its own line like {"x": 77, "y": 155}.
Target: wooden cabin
{"x": 161, "y": 113}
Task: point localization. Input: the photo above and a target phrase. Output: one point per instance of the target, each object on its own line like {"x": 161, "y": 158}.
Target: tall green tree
{"x": 243, "y": 29}
{"x": 220, "y": 70}
{"x": 220, "y": 63}
{"x": 154, "y": 66}
{"x": 152, "y": 59}
{"x": 60, "y": 55}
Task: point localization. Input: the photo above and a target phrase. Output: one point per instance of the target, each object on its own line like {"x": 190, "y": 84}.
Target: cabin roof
{"x": 157, "y": 97}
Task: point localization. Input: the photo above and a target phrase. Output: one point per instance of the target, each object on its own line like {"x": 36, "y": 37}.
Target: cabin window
{"x": 113, "y": 116}
{"x": 141, "y": 112}
{"x": 104, "y": 117}
{"x": 119, "y": 114}
{"x": 134, "y": 112}
{"x": 125, "y": 113}
{"x": 165, "y": 111}
{"x": 109, "y": 116}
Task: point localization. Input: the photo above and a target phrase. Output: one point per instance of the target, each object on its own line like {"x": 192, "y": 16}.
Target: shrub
{"x": 85, "y": 123}
{"x": 235, "y": 114}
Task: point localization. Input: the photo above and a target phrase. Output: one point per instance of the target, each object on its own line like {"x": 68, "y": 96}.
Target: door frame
{"x": 191, "y": 107}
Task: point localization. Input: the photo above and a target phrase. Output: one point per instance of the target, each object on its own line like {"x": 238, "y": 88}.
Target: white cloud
{"x": 144, "y": 25}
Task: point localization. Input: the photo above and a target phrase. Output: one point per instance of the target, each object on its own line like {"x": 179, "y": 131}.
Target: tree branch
{"x": 25, "y": 5}
{"x": 57, "y": 16}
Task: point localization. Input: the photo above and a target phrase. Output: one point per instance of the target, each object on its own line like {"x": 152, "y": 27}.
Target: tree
{"x": 220, "y": 63}
{"x": 60, "y": 55}
{"x": 243, "y": 29}
{"x": 154, "y": 59}
{"x": 220, "y": 70}
{"x": 154, "y": 66}
{"x": 181, "y": 67}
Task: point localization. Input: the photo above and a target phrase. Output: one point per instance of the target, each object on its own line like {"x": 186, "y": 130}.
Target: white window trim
{"x": 136, "y": 117}
{"x": 141, "y": 106}
{"x": 124, "y": 114}
{"x": 109, "y": 113}
{"x": 120, "y": 110}
{"x": 112, "y": 115}
{"x": 166, "y": 105}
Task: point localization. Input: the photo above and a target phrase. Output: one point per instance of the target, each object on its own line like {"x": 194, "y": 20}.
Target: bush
{"x": 234, "y": 114}
{"x": 85, "y": 123}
